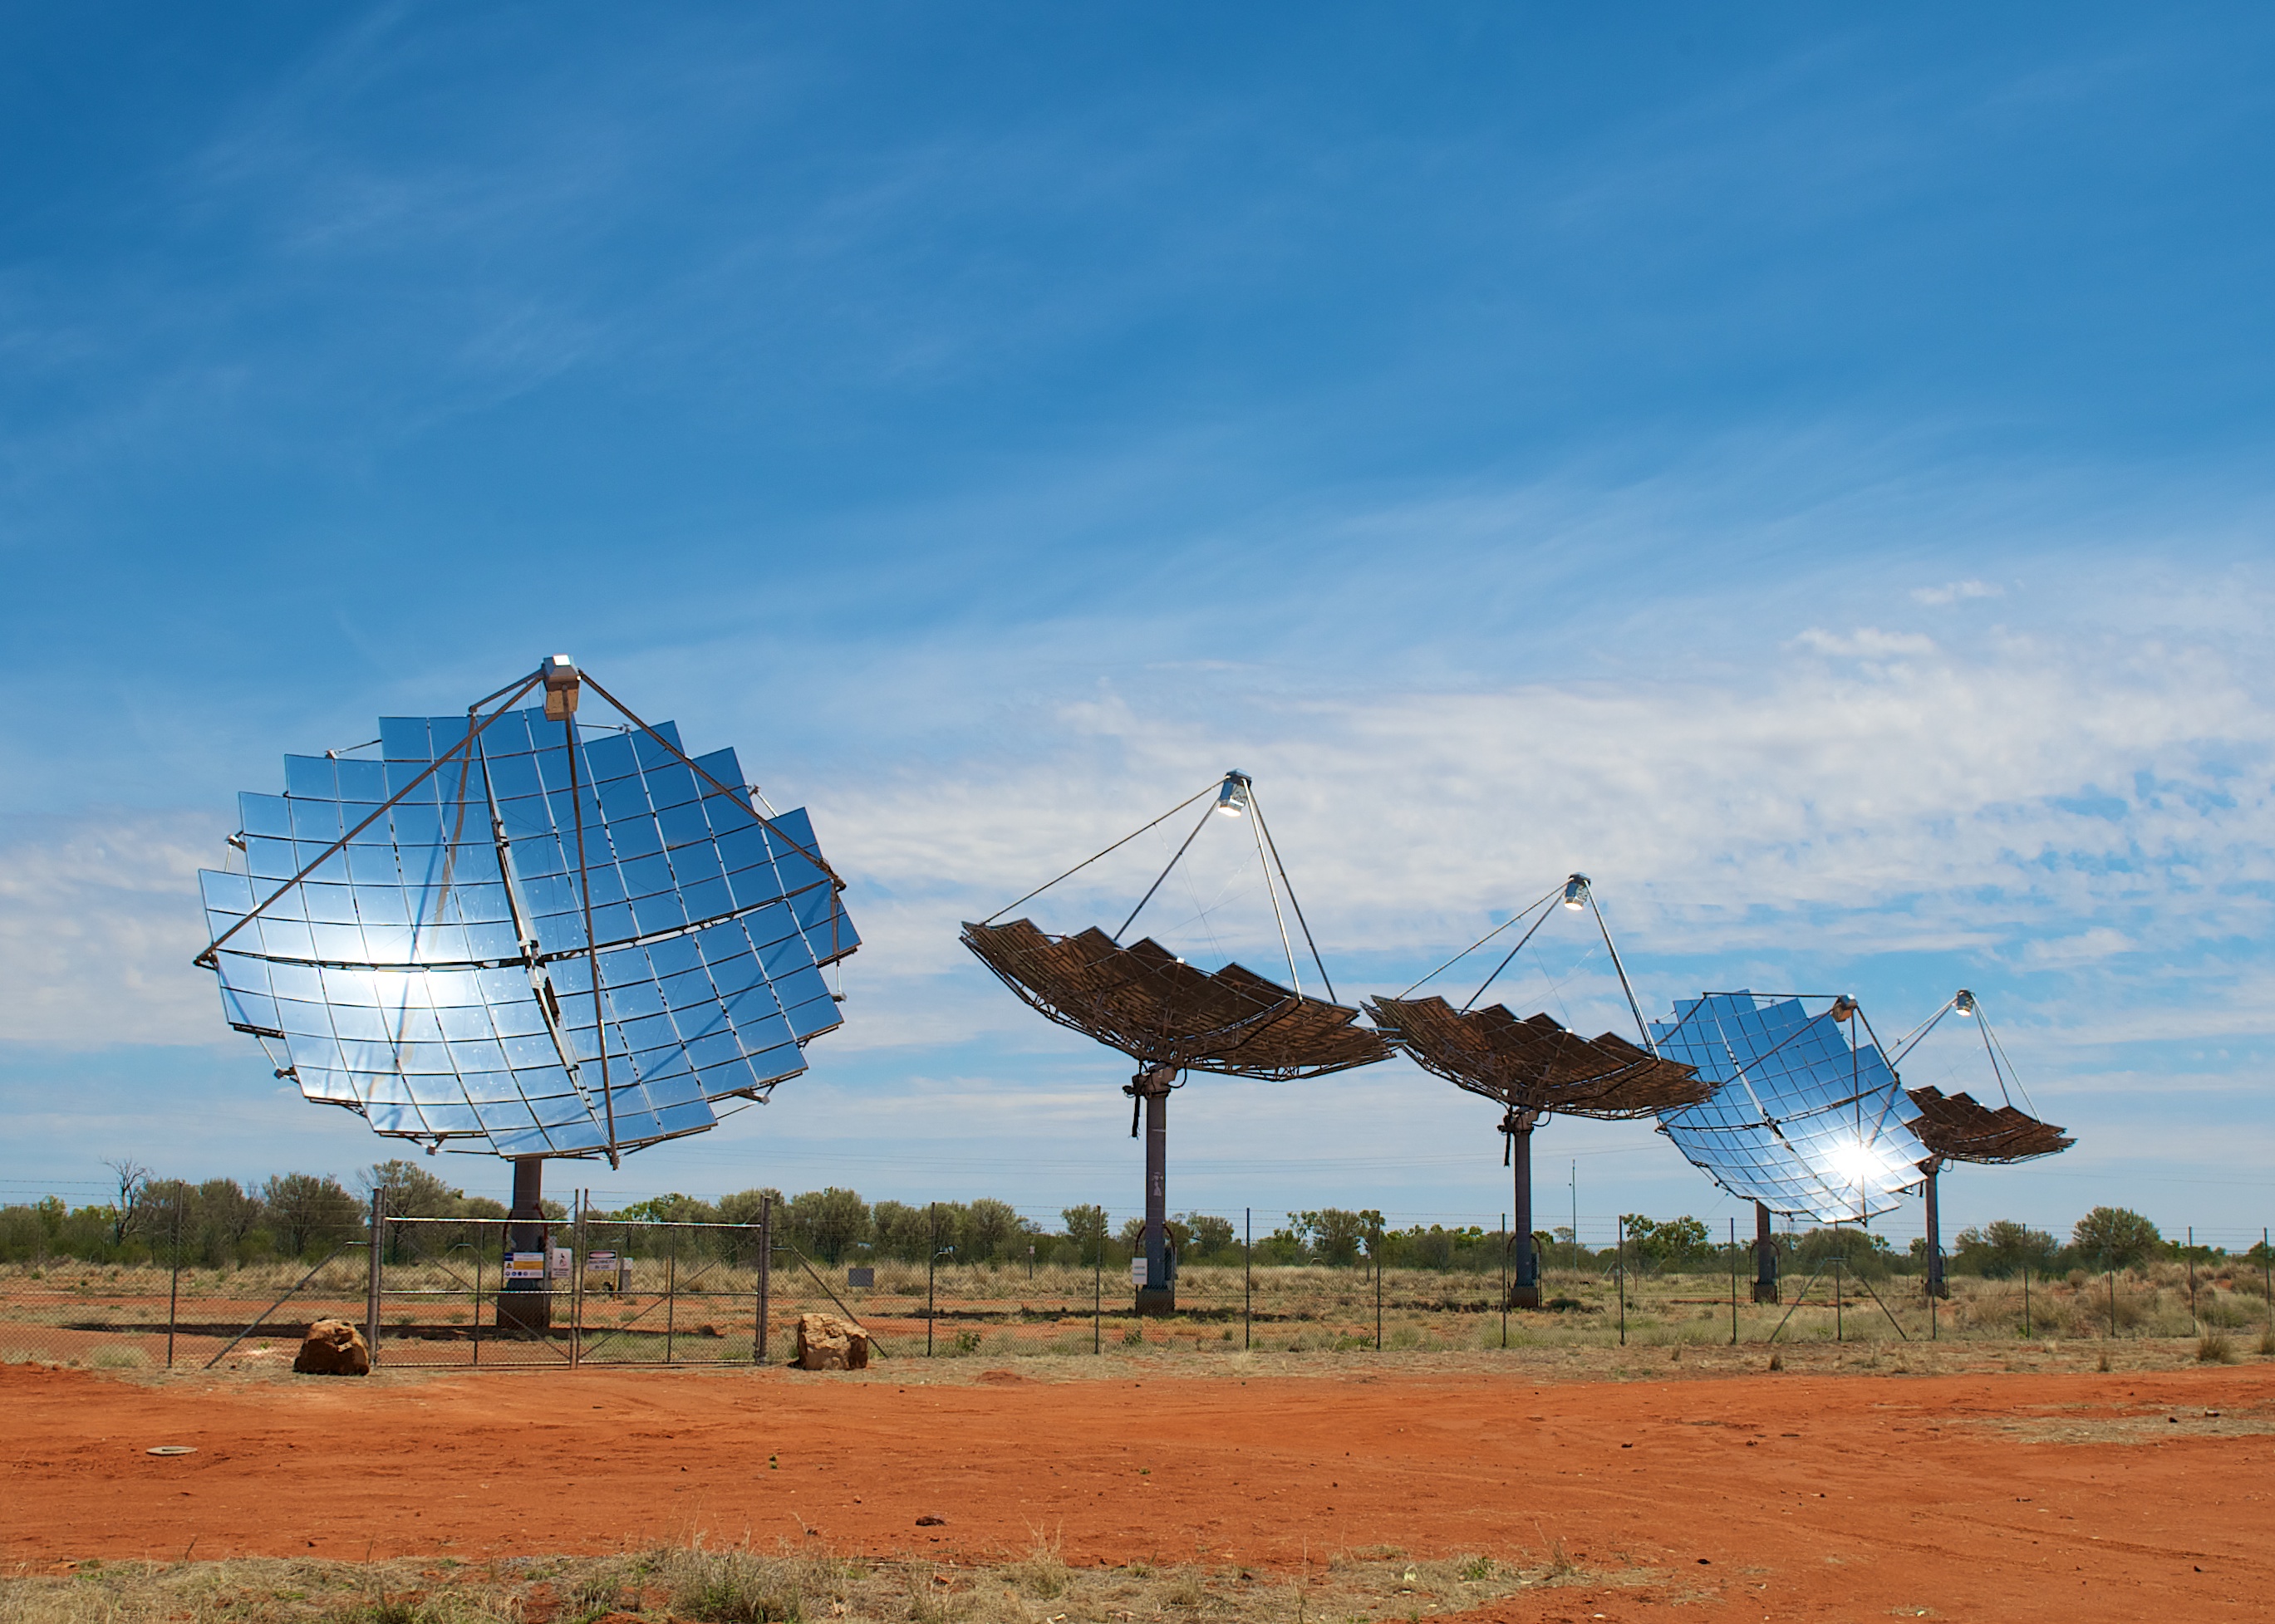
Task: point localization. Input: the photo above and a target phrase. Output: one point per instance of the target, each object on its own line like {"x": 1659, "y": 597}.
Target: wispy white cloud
{"x": 1955, "y": 591}
{"x": 99, "y": 917}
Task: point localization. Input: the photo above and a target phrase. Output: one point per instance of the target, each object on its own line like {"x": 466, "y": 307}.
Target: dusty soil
{"x": 1805, "y": 1494}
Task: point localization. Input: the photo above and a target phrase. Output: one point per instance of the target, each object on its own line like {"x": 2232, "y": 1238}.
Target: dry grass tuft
{"x": 2215, "y": 1347}
{"x": 744, "y": 1586}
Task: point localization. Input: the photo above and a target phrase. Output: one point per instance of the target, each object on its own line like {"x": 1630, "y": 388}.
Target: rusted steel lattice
{"x": 1151, "y": 1006}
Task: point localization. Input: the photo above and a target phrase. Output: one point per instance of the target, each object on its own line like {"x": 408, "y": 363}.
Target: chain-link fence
{"x": 598, "y": 1289}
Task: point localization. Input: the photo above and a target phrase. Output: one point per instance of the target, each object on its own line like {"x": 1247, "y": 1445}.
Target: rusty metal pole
{"x": 1159, "y": 1294}
{"x": 1525, "y": 1292}
{"x": 1933, "y": 1168}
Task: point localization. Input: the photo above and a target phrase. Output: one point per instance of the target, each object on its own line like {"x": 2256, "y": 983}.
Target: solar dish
{"x": 1162, "y": 1012}
{"x": 1806, "y": 1119}
{"x": 1960, "y": 1128}
{"x": 1532, "y": 1066}
{"x": 506, "y": 931}
{"x": 1172, "y": 1017}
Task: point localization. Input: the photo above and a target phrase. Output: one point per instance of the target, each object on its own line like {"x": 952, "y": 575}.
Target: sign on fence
{"x": 525, "y": 1267}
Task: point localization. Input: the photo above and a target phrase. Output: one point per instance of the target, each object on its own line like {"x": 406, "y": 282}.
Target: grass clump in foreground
{"x": 744, "y": 1586}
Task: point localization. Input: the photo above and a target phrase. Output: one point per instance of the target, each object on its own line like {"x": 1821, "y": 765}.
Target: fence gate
{"x": 456, "y": 1292}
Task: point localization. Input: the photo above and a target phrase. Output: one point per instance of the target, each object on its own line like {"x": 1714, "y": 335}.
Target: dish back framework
{"x": 1532, "y": 1066}
{"x": 1806, "y": 1119}
{"x": 506, "y": 933}
{"x": 1960, "y": 1128}
{"x": 1171, "y": 1017}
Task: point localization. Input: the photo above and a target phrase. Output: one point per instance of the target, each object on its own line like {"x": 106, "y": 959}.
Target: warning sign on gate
{"x": 524, "y": 1266}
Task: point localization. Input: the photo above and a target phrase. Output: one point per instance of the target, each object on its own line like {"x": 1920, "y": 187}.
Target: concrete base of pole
{"x": 1524, "y": 1297}
{"x": 1153, "y": 1299}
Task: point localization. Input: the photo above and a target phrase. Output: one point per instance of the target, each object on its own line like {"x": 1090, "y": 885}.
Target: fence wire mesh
{"x": 601, "y": 1289}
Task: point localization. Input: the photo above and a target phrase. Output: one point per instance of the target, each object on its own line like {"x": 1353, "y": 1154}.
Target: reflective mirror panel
{"x": 434, "y": 977}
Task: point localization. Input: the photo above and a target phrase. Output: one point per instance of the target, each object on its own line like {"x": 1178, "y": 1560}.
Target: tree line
{"x": 217, "y": 1223}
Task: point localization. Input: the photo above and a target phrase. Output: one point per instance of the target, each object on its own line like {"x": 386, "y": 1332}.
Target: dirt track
{"x": 1792, "y": 1496}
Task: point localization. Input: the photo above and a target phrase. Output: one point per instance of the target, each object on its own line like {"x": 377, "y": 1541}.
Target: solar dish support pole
{"x": 525, "y": 1305}
{"x": 1524, "y": 1291}
{"x": 1152, "y": 1086}
{"x": 1766, "y": 1258}
{"x": 1933, "y": 1168}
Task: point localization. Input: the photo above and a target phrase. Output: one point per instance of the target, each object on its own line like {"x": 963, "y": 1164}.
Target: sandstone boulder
{"x": 825, "y": 1342}
{"x": 333, "y": 1347}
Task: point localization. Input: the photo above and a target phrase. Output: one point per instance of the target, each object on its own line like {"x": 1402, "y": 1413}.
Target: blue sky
{"x": 1806, "y": 467}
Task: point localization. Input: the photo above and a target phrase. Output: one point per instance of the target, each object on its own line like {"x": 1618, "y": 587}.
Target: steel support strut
{"x": 1150, "y": 1088}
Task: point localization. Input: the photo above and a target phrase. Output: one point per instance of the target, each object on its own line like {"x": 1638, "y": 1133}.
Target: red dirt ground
{"x": 1994, "y": 1497}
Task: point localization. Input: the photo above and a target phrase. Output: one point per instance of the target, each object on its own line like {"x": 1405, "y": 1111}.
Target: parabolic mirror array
{"x": 1805, "y": 1118}
{"x": 434, "y": 973}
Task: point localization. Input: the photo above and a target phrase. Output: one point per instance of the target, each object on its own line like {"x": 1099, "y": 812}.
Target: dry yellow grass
{"x": 741, "y": 1586}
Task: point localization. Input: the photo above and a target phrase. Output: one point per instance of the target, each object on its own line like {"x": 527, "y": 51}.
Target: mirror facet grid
{"x": 1800, "y": 1120}
{"x": 393, "y": 979}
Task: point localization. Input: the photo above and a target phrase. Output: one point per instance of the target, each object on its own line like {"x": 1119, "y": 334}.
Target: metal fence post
{"x": 2026, "y": 1302}
{"x": 1248, "y": 1280}
{"x": 1734, "y": 1282}
{"x": 1378, "y": 1303}
{"x": 174, "y": 1291}
{"x": 576, "y": 1280}
{"x": 1504, "y": 1279}
{"x": 371, "y": 1280}
{"x": 671, "y": 1288}
{"x": 1097, "y": 1291}
{"x": 481, "y": 1250}
{"x": 1620, "y": 1275}
{"x": 766, "y": 1274}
